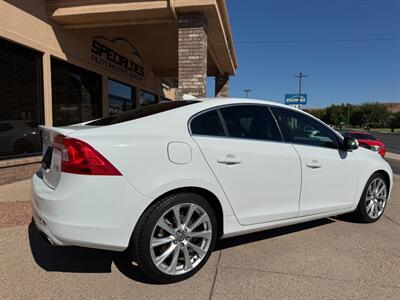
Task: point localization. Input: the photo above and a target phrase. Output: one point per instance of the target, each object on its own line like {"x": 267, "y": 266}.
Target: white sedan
{"x": 168, "y": 180}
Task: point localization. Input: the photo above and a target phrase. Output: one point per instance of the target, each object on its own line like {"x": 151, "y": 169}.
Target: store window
{"x": 76, "y": 94}
{"x": 164, "y": 99}
{"x": 121, "y": 97}
{"x": 147, "y": 98}
{"x": 21, "y": 102}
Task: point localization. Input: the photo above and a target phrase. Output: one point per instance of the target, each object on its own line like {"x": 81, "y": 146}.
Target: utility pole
{"x": 247, "y": 91}
{"x": 300, "y": 77}
{"x": 348, "y": 115}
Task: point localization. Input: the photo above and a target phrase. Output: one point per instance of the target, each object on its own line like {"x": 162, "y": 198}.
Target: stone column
{"x": 192, "y": 54}
{"x": 222, "y": 85}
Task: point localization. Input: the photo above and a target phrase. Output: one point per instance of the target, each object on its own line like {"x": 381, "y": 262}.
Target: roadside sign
{"x": 292, "y": 99}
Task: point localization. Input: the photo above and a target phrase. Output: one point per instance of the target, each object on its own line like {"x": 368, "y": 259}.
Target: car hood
{"x": 368, "y": 154}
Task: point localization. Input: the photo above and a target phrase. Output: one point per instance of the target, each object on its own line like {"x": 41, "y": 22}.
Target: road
{"x": 333, "y": 258}
{"x": 395, "y": 164}
{"x": 391, "y": 140}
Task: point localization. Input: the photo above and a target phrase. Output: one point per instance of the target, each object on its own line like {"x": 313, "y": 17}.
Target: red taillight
{"x": 78, "y": 157}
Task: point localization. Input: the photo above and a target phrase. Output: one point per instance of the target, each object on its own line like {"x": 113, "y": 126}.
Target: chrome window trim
{"x": 268, "y": 106}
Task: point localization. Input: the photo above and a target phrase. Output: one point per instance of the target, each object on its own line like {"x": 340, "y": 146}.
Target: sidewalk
{"x": 15, "y": 206}
{"x": 391, "y": 155}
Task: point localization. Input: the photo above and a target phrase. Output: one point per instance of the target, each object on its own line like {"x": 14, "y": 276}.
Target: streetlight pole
{"x": 247, "y": 91}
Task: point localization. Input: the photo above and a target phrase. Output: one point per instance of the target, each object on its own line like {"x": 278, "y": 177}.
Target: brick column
{"x": 192, "y": 54}
{"x": 222, "y": 85}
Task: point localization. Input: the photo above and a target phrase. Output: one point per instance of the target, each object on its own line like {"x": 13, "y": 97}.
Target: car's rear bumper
{"x": 88, "y": 211}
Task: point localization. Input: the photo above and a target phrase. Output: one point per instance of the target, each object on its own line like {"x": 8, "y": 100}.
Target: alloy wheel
{"x": 181, "y": 239}
{"x": 375, "y": 198}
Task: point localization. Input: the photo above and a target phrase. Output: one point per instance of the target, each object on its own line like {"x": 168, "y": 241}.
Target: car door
{"x": 259, "y": 174}
{"x": 329, "y": 174}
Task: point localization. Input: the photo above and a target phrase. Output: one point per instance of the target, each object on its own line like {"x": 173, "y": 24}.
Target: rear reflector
{"x": 78, "y": 157}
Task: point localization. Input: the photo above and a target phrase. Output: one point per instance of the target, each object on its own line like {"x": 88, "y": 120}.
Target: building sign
{"x": 119, "y": 55}
{"x": 291, "y": 99}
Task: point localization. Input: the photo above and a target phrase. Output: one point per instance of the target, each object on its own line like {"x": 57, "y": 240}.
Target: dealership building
{"x": 67, "y": 61}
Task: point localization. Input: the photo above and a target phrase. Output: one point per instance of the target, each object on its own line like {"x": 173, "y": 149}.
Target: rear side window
{"x": 251, "y": 122}
{"x": 140, "y": 113}
{"x": 207, "y": 123}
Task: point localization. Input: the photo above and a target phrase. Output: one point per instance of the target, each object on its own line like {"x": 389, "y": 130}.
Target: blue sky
{"x": 349, "y": 71}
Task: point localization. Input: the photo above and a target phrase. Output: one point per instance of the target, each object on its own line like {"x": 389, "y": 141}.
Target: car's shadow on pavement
{"x": 86, "y": 260}
{"x": 268, "y": 234}
{"x": 80, "y": 260}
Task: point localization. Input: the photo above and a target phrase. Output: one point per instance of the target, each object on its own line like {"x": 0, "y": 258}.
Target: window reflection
{"x": 76, "y": 94}
{"x": 121, "y": 97}
{"x": 147, "y": 98}
{"x": 21, "y": 109}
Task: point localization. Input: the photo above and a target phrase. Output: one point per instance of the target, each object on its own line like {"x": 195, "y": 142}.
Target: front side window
{"x": 301, "y": 129}
{"x": 207, "y": 123}
{"x": 251, "y": 122}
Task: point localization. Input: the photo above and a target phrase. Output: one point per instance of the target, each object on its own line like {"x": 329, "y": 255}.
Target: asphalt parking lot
{"x": 330, "y": 258}
{"x": 391, "y": 140}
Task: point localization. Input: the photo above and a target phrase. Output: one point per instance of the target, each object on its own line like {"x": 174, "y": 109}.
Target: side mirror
{"x": 350, "y": 143}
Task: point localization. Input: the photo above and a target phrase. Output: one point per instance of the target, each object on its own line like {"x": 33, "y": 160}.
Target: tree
{"x": 371, "y": 114}
{"x": 394, "y": 121}
{"x": 337, "y": 114}
{"x": 318, "y": 113}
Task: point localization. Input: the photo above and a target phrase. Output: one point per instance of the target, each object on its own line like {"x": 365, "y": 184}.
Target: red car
{"x": 367, "y": 140}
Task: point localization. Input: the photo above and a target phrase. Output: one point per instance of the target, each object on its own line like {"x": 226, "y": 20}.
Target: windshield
{"x": 140, "y": 113}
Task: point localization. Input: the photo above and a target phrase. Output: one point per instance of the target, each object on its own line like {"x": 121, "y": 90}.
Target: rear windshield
{"x": 140, "y": 112}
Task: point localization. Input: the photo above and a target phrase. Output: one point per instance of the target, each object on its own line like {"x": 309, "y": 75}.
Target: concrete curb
{"x": 391, "y": 155}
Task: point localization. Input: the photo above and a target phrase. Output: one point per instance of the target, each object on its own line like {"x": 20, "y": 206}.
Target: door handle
{"x": 314, "y": 164}
{"x": 229, "y": 159}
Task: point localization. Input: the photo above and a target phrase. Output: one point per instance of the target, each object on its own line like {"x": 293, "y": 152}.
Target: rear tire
{"x": 373, "y": 200}
{"x": 170, "y": 247}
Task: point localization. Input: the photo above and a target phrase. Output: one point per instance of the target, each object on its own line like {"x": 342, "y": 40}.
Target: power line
{"x": 316, "y": 41}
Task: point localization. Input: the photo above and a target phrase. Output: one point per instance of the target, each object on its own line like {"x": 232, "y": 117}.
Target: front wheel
{"x": 174, "y": 237}
{"x": 373, "y": 199}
